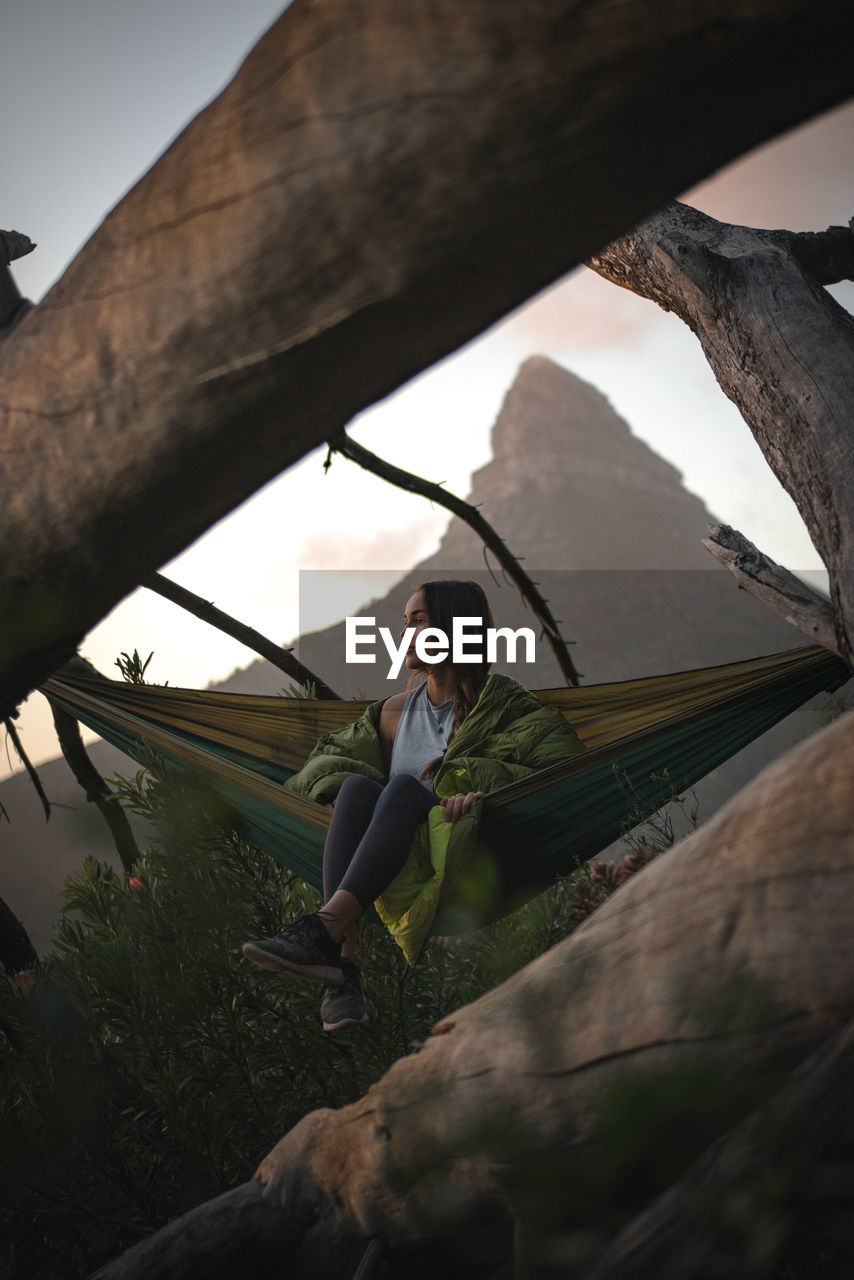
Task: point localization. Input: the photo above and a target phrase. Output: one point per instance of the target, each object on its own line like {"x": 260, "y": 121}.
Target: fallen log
{"x": 738, "y": 1205}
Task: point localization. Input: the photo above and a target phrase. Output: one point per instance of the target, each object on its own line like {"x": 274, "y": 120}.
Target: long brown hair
{"x": 444, "y": 600}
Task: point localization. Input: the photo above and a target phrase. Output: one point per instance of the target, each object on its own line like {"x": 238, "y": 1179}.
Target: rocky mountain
{"x": 606, "y": 528}
{"x": 574, "y": 489}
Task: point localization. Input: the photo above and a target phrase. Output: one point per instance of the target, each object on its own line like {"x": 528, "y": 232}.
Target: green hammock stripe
{"x": 577, "y": 817}
{"x": 284, "y": 833}
{"x": 646, "y": 740}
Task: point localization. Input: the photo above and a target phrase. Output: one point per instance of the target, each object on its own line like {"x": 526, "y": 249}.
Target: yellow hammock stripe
{"x": 282, "y": 731}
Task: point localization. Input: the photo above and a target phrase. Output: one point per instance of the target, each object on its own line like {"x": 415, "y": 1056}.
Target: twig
{"x": 30, "y": 768}
{"x": 348, "y": 448}
{"x": 279, "y": 657}
{"x": 96, "y": 789}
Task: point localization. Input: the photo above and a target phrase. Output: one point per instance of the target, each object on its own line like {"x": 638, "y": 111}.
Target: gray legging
{"x": 370, "y": 834}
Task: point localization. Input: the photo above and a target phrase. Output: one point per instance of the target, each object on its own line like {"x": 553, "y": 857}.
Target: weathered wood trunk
{"x": 781, "y": 348}
{"x": 378, "y": 184}
{"x": 722, "y": 964}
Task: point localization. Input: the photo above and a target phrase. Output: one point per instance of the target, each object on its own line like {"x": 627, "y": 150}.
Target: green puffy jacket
{"x": 507, "y": 735}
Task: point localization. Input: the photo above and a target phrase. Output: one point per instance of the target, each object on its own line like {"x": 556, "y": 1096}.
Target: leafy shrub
{"x": 150, "y": 1066}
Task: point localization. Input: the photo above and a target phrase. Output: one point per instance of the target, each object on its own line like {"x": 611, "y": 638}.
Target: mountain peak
{"x": 571, "y": 487}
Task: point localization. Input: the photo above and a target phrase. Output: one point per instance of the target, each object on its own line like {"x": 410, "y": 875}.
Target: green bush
{"x": 150, "y": 1066}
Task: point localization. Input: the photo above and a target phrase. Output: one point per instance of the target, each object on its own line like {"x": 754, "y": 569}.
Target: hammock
{"x": 646, "y": 740}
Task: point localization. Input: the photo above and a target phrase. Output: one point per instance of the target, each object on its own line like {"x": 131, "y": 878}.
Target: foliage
{"x": 151, "y": 1066}
{"x": 307, "y": 691}
{"x": 678, "y": 815}
{"x": 132, "y": 667}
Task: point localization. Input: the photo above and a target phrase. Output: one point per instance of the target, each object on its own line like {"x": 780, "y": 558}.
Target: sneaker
{"x": 303, "y": 948}
{"x": 343, "y": 1006}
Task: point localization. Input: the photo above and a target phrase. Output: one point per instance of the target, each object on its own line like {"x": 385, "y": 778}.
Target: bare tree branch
{"x": 279, "y": 657}
{"x": 826, "y": 256}
{"x": 28, "y": 765}
{"x": 96, "y": 789}
{"x": 775, "y": 586}
{"x": 357, "y": 453}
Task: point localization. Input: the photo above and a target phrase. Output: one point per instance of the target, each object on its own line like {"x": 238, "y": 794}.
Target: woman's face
{"x": 415, "y": 615}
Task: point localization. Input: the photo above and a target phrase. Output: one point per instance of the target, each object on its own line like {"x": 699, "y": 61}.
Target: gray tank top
{"x": 422, "y": 734}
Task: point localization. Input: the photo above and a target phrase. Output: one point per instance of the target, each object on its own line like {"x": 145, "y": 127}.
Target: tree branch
{"x": 239, "y": 1232}
{"x": 781, "y": 349}
{"x": 29, "y": 766}
{"x": 348, "y": 447}
{"x": 96, "y": 789}
{"x": 826, "y": 256}
{"x": 775, "y": 586}
{"x": 279, "y": 657}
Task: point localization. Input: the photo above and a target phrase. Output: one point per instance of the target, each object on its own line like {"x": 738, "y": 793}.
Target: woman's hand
{"x": 456, "y": 806}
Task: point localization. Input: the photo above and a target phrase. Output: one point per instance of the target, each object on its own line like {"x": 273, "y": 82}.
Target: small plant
{"x": 657, "y": 831}
{"x": 132, "y": 667}
{"x": 308, "y": 690}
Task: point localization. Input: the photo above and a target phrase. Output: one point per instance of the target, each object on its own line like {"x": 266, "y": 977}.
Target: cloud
{"x": 803, "y": 180}
{"x": 393, "y": 549}
{"x": 582, "y": 312}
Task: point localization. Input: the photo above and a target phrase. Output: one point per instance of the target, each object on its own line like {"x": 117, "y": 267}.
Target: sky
{"x": 98, "y": 89}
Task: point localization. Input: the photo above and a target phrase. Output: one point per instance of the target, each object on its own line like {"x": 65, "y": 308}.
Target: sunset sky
{"x": 97, "y": 90}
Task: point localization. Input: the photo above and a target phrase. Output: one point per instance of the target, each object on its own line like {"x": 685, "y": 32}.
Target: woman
{"x": 404, "y": 779}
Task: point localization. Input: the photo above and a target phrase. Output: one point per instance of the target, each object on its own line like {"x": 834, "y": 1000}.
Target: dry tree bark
{"x": 739, "y": 1199}
{"x": 95, "y": 788}
{"x": 775, "y": 586}
{"x": 726, "y": 960}
{"x": 378, "y": 184}
{"x": 780, "y": 347}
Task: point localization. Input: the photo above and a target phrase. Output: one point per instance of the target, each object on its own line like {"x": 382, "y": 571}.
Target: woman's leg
{"x": 380, "y": 853}
{"x": 367, "y": 844}
{"x": 351, "y": 817}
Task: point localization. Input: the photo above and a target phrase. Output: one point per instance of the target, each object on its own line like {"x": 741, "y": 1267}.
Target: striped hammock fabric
{"x": 646, "y": 740}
